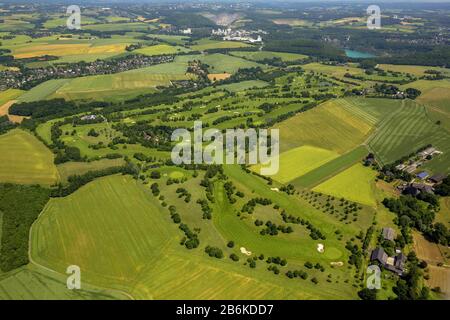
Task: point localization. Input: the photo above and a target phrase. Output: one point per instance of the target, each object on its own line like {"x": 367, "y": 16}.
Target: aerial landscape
{"x": 224, "y": 150}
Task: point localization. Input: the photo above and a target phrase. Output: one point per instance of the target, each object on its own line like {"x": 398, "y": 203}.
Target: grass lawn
{"x": 25, "y": 160}
{"x": 355, "y": 184}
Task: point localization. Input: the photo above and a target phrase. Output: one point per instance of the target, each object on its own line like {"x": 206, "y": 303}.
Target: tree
{"x": 368, "y": 294}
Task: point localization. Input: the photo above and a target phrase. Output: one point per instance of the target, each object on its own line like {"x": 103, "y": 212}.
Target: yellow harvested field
{"x": 440, "y": 277}
{"x": 61, "y": 50}
{"x": 427, "y": 250}
{"x": 218, "y": 76}
{"x": 4, "y": 111}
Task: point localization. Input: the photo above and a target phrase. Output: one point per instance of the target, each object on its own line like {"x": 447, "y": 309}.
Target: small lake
{"x": 358, "y": 54}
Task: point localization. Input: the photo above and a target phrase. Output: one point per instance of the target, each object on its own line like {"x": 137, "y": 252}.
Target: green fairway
{"x": 24, "y": 159}
{"x": 244, "y": 85}
{"x": 355, "y": 184}
{"x": 331, "y": 168}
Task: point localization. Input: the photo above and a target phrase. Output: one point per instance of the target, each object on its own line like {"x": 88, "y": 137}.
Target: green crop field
{"x": 78, "y": 168}
{"x": 78, "y": 237}
{"x": 32, "y": 282}
{"x": 244, "y": 85}
{"x": 219, "y": 63}
{"x": 328, "y": 126}
{"x": 206, "y": 44}
{"x": 406, "y": 130}
{"x": 299, "y": 161}
{"x": 10, "y": 94}
{"x": 160, "y": 49}
{"x": 355, "y": 184}
{"x": 43, "y": 91}
{"x": 24, "y": 159}
{"x": 263, "y": 55}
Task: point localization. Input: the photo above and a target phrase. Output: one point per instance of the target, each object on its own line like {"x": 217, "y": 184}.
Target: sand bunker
{"x": 320, "y": 248}
{"x": 337, "y": 263}
{"x": 244, "y": 251}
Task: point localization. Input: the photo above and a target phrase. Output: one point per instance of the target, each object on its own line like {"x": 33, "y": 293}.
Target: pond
{"x": 358, "y": 54}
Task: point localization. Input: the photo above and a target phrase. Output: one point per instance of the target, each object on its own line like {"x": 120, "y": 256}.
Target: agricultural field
{"x": 299, "y": 161}
{"x": 409, "y": 128}
{"x": 267, "y": 55}
{"x": 25, "y": 160}
{"x": 207, "y": 44}
{"x": 89, "y": 174}
{"x": 68, "y": 169}
{"x": 160, "y": 49}
{"x": 328, "y": 126}
{"x": 51, "y": 238}
{"x": 356, "y": 184}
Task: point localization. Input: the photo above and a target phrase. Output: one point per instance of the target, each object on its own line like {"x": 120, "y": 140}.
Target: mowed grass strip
{"x": 328, "y": 126}
{"x": 355, "y": 184}
{"x": 299, "y": 161}
{"x": 25, "y": 160}
{"x": 330, "y": 169}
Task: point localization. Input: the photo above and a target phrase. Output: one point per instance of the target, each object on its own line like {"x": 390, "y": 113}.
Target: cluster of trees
{"x": 191, "y": 240}
{"x": 413, "y": 213}
{"x": 155, "y": 189}
{"x": 214, "y": 252}
{"x": 249, "y": 207}
{"x": 443, "y": 189}
{"x": 182, "y": 192}
{"x": 277, "y": 260}
{"x": 410, "y": 287}
{"x": 77, "y": 181}
{"x": 206, "y": 209}
{"x": 297, "y": 274}
{"x": 21, "y": 206}
{"x": 174, "y": 214}
{"x": 5, "y": 124}
{"x": 317, "y": 266}
{"x": 356, "y": 255}
{"x": 272, "y": 229}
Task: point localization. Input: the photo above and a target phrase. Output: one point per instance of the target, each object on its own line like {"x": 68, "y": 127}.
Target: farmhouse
{"x": 437, "y": 178}
{"x": 395, "y": 264}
